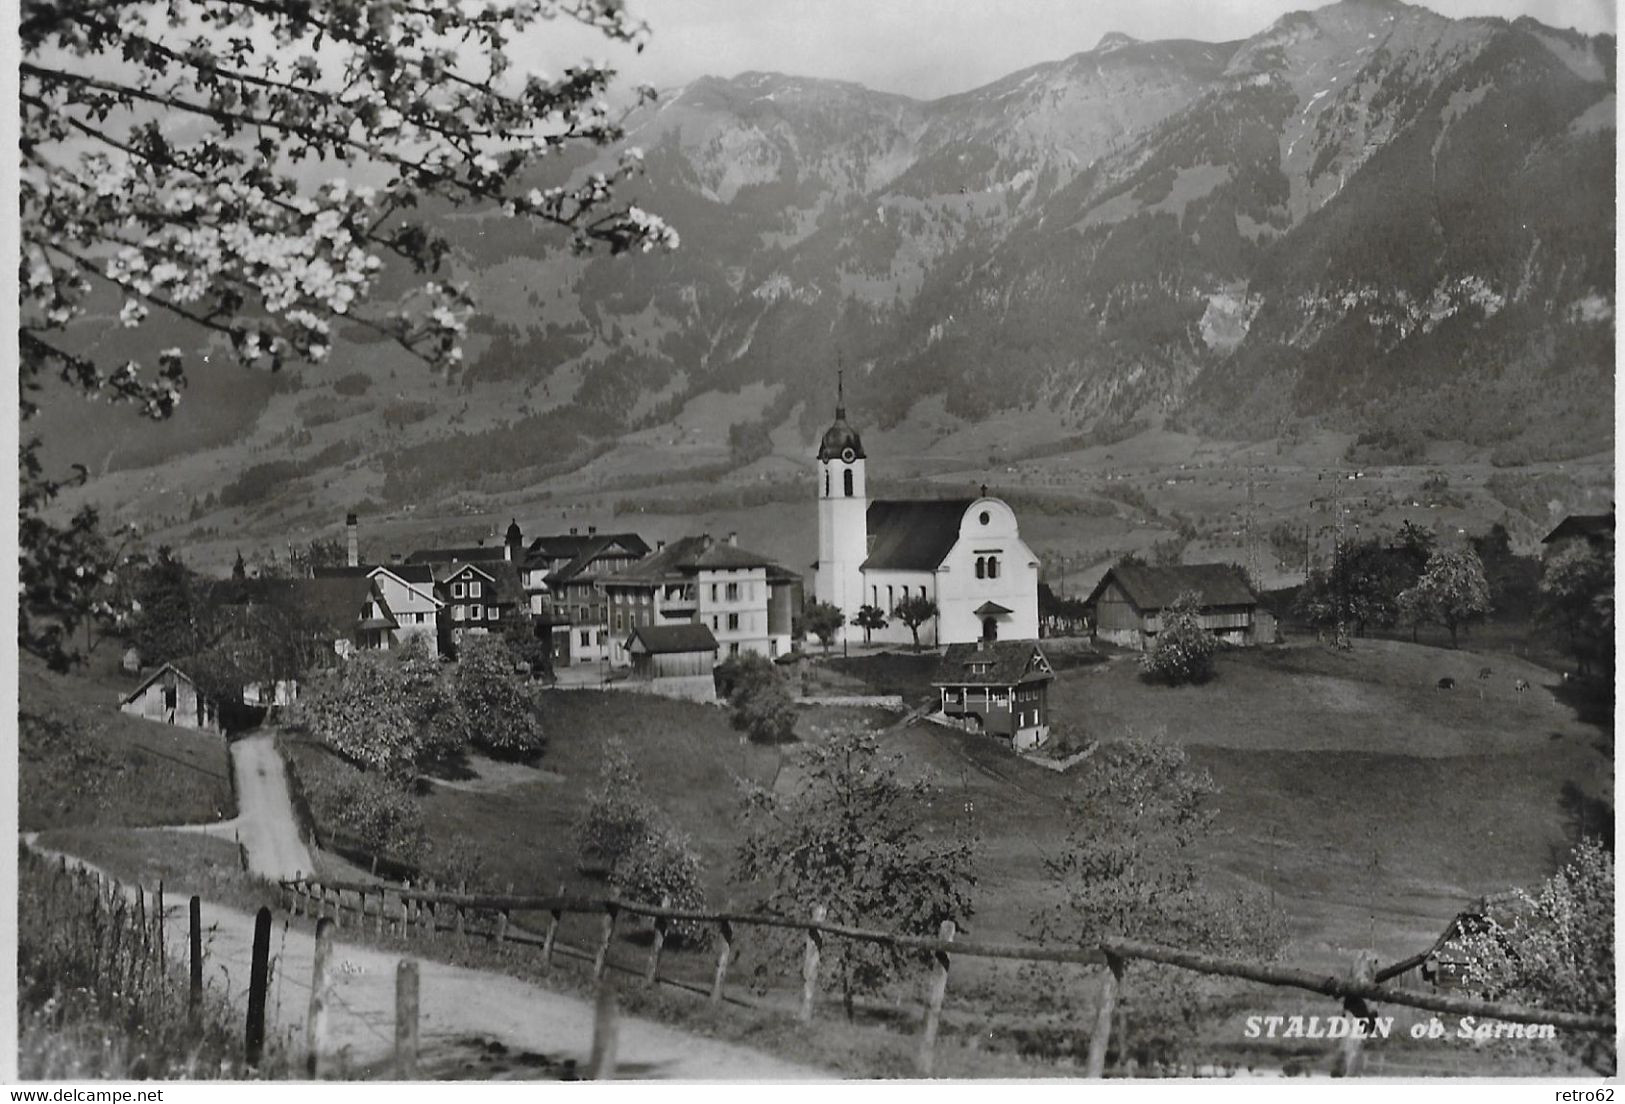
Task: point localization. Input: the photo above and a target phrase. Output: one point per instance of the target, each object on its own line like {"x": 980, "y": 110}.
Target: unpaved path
{"x": 265, "y": 824}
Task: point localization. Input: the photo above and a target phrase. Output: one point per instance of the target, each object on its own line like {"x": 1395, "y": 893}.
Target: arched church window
{"x": 981, "y": 567}
{"x": 826, "y": 482}
{"x": 993, "y": 567}
{"x": 846, "y": 477}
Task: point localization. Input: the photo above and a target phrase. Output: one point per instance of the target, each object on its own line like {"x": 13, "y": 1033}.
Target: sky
{"x": 930, "y": 48}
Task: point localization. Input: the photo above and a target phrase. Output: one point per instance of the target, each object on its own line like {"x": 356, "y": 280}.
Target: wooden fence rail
{"x": 1357, "y": 986}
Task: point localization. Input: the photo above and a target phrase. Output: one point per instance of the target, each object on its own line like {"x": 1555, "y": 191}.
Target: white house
{"x": 408, "y": 591}
{"x": 965, "y": 555}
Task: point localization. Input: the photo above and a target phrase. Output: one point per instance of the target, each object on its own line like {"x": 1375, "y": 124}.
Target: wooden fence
{"x": 425, "y": 911}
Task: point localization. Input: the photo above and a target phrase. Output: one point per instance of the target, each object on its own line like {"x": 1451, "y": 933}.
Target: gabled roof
{"x": 446, "y": 572}
{"x": 1155, "y": 588}
{"x": 1009, "y": 663}
{"x": 407, "y": 572}
{"x": 594, "y": 550}
{"x": 152, "y": 678}
{"x": 569, "y": 546}
{"x": 1581, "y": 525}
{"x": 992, "y": 609}
{"x": 480, "y": 553}
{"x": 913, "y": 535}
{"x": 685, "y": 557}
{"x": 688, "y": 636}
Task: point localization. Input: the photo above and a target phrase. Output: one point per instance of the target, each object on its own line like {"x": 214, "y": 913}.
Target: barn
{"x": 169, "y": 696}
{"x": 1126, "y": 606}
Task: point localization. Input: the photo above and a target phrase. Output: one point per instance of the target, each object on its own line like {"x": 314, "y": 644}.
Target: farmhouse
{"x": 1126, "y": 606}
{"x": 1000, "y": 687}
{"x": 169, "y": 696}
{"x": 560, "y": 576}
{"x": 1596, "y": 530}
{"x": 964, "y": 555}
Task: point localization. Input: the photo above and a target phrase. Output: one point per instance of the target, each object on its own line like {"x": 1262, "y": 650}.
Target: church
{"x": 966, "y": 555}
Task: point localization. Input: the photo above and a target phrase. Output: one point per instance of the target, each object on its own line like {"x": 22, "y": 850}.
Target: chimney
{"x": 733, "y": 540}
{"x": 659, "y": 544}
{"x": 395, "y": 557}
{"x": 352, "y": 541}
{"x": 981, "y": 645}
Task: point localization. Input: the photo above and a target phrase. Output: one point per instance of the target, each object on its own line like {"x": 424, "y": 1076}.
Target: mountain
{"x": 1366, "y": 216}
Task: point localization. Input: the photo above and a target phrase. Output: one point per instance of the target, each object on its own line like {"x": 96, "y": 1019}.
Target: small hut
{"x": 169, "y": 696}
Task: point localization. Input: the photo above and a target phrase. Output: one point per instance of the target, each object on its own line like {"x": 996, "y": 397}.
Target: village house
{"x": 744, "y": 599}
{"x": 1000, "y": 687}
{"x": 170, "y": 696}
{"x": 1126, "y": 606}
{"x": 1597, "y": 530}
{"x": 560, "y": 576}
{"x": 965, "y": 555}
{"x": 479, "y": 598}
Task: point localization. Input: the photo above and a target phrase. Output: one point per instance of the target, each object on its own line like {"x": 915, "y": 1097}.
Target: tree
{"x": 618, "y": 814}
{"x": 387, "y": 711}
{"x": 529, "y": 644}
{"x": 499, "y": 706}
{"x": 1127, "y": 868}
{"x": 823, "y": 620}
{"x": 170, "y": 166}
{"x": 1451, "y": 592}
{"x": 850, "y": 838}
{"x": 171, "y": 610}
{"x": 915, "y": 611}
{"x": 1555, "y": 949}
{"x": 1361, "y": 587}
{"x": 762, "y": 708}
{"x": 1577, "y": 593}
{"x": 1183, "y": 651}
{"x": 869, "y": 618}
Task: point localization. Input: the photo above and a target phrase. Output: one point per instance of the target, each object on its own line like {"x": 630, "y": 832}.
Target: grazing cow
{"x": 1446, "y": 684}
{"x": 1521, "y": 685}
{"x": 1484, "y": 672}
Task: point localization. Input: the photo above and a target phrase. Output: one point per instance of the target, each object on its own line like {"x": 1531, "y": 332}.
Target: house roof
{"x": 1581, "y": 525}
{"x": 592, "y": 551}
{"x": 152, "y": 678}
{"x": 913, "y": 535}
{"x": 991, "y": 609}
{"x": 570, "y": 546}
{"x": 686, "y": 557}
{"x": 668, "y": 639}
{"x": 1010, "y": 663}
{"x": 1156, "y": 588}
{"x": 408, "y": 572}
{"x": 480, "y": 553}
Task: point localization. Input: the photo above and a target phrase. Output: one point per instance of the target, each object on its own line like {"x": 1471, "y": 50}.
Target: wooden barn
{"x": 1000, "y": 687}
{"x": 171, "y": 697}
{"x": 684, "y": 650}
{"x": 1126, "y": 606}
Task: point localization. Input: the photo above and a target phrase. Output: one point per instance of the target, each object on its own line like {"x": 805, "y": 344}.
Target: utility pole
{"x": 1338, "y": 572}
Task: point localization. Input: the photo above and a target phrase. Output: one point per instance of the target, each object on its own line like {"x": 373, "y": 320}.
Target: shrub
{"x": 1183, "y": 651}
{"x": 663, "y": 866}
{"x": 762, "y": 708}
{"x": 617, "y": 814}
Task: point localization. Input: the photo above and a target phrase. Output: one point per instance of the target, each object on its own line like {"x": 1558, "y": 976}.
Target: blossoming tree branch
{"x": 167, "y": 152}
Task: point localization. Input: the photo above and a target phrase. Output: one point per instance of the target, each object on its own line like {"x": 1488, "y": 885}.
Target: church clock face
{"x": 848, "y": 455}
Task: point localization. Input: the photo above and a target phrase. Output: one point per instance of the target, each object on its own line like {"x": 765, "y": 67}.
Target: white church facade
{"x": 965, "y": 555}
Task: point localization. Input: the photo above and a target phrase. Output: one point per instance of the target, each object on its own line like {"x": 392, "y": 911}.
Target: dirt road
{"x": 265, "y": 824}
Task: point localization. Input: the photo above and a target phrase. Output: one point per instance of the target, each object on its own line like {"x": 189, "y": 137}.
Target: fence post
{"x": 552, "y": 931}
{"x": 431, "y": 909}
{"x": 406, "y": 1020}
{"x": 1102, "y": 1034}
{"x": 194, "y": 992}
{"x": 809, "y": 965}
{"x": 338, "y": 908}
{"x": 163, "y": 951}
{"x": 462, "y": 888}
{"x": 383, "y": 907}
{"x": 933, "y": 1002}
{"x": 602, "y": 959}
{"x": 605, "y": 1032}
{"x": 316, "y": 1022}
{"x": 502, "y": 919}
{"x": 1350, "y": 1061}
{"x": 651, "y": 973}
{"x": 726, "y": 931}
{"x": 259, "y": 977}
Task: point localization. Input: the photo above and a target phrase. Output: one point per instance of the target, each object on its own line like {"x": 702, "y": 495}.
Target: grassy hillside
{"x": 84, "y": 763}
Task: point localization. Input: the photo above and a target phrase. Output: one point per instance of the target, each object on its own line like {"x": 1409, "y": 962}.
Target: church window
{"x": 993, "y": 567}
{"x": 874, "y": 596}
{"x": 826, "y": 482}
{"x": 981, "y": 567}
{"x": 846, "y": 478}
{"x": 985, "y": 518}
{"x": 890, "y": 601}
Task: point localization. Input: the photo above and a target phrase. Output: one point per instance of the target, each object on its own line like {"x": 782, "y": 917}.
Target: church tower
{"x": 843, "y": 507}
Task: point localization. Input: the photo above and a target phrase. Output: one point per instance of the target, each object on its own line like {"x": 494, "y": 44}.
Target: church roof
{"x": 913, "y": 535}
{"x": 839, "y": 437}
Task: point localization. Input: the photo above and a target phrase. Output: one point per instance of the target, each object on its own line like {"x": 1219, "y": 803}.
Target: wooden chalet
{"x": 1127, "y": 605}
{"x": 1000, "y": 687}
{"x": 672, "y": 651}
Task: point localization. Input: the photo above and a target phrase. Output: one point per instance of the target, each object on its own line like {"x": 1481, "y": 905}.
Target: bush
{"x": 617, "y": 814}
{"x": 664, "y": 867}
{"x": 1183, "y": 651}
{"x": 377, "y": 814}
{"x": 762, "y": 708}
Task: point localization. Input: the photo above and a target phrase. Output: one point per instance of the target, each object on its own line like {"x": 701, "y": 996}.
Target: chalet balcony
{"x": 679, "y": 600}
